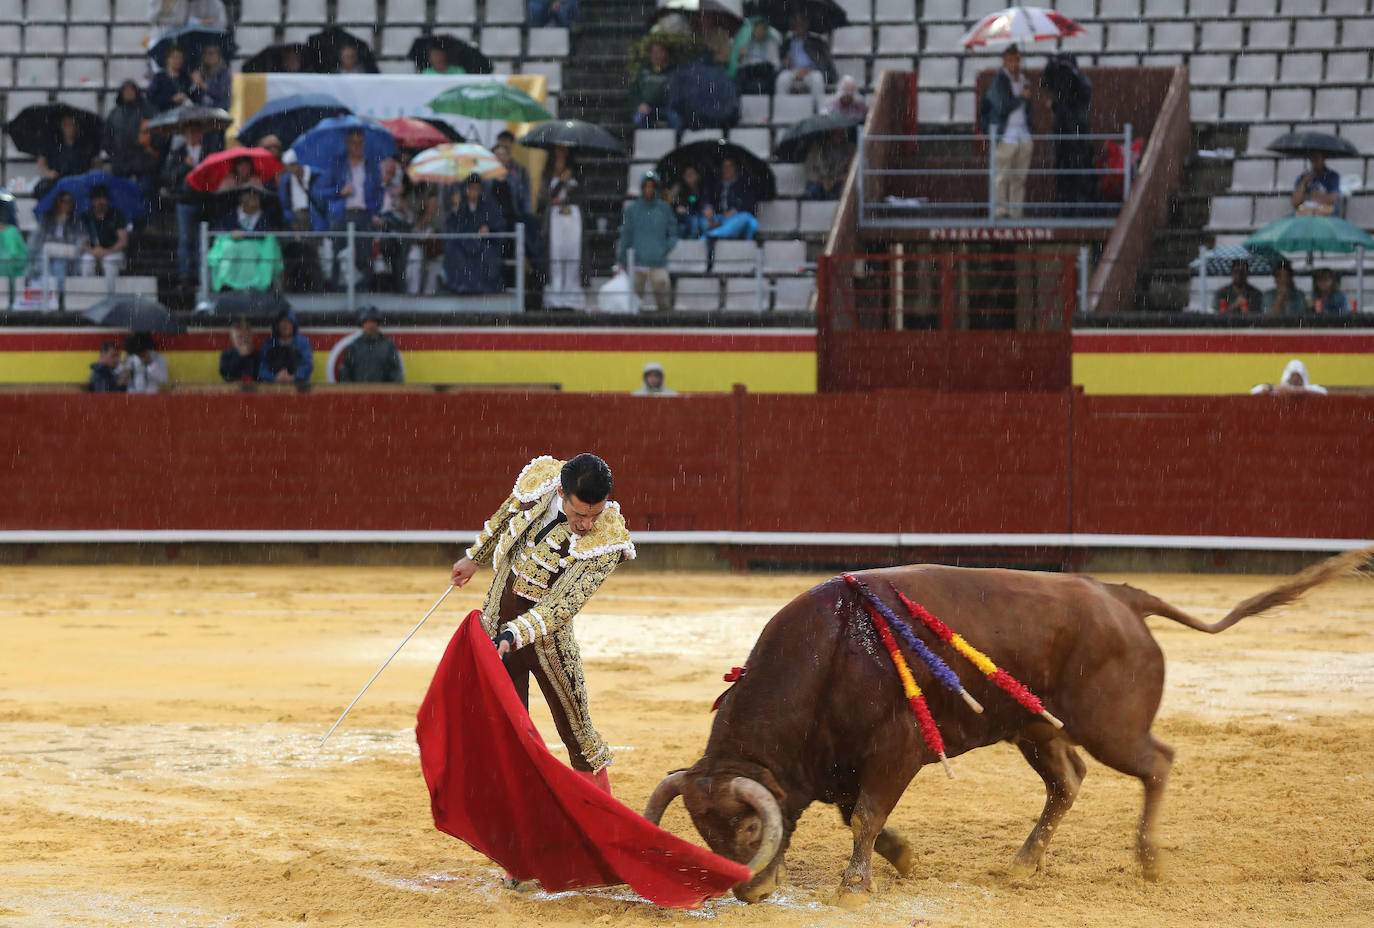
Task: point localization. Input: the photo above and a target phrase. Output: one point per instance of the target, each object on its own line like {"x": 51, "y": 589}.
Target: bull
{"x": 819, "y": 715}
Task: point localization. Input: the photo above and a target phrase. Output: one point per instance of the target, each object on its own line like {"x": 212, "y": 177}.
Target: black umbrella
{"x": 459, "y": 53}
{"x": 192, "y": 40}
{"x": 209, "y": 118}
{"x": 706, "y": 158}
{"x": 1301, "y": 143}
{"x": 255, "y": 303}
{"x": 573, "y": 133}
{"x": 37, "y": 127}
{"x": 821, "y": 15}
{"x": 290, "y": 117}
{"x": 445, "y": 127}
{"x": 698, "y": 10}
{"x": 704, "y": 95}
{"x": 272, "y": 59}
{"x": 793, "y": 144}
{"x": 135, "y": 313}
{"x": 322, "y": 51}
{"x": 7, "y": 216}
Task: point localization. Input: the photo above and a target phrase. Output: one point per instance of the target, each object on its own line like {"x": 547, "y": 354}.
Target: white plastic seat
{"x": 130, "y": 11}
{"x": 1256, "y": 68}
{"x": 547, "y": 43}
{"x": 789, "y": 108}
{"x": 81, "y": 99}
{"x": 746, "y": 295}
{"x": 356, "y": 11}
{"x": 1128, "y": 37}
{"x": 1077, "y": 10}
{"x": 503, "y": 12}
{"x": 776, "y": 216}
{"x": 894, "y": 11}
{"x": 307, "y": 12}
{"x": 1301, "y": 68}
{"x": 1221, "y": 34}
{"x": 688, "y": 257}
{"x": 858, "y": 11}
{"x": 1347, "y": 67}
{"x": 942, "y": 11}
{"x": 939, "y": 72}
{"x": 90, "y": 11}
{"x": 251, "y": 39}
{"x": 88, "y": 40}
{"x": 1209, "y": 70}
{"x": 856, "y": 68}
{"x": 733, "y": 256}
{"x": 83, "y": 72}
{"x": 755, "y": 141}
{"x": 16, "y": 101}
{"x": 1361, "y": 211}
{"x": 695, "y": 294}
{"x": 1204, "y": 105}
{"x": 1260, "y": 136}
{"x": 1172, "y": 37}
{"x": 816, "y": 216}
{"x": 942, "y": 38}
{"x": 899, "y": 39}
{"x": 1165, "y": 9}
{"x": 1171, "y": 60}
{"x": 1230, "y": 213}
{"x": 1270, "y": 33}
{"x": 1317, "y": 33}
{"x": 1255, "y": 8}
{"x": 965, "y": 108}
{"x": 396, "y": 41}
{"x": 45, "y": 40}
{"x": 552, "y": 71}
{"x": 1335, "y": 103}
{"x": 852, "y": 40}
{"x": 260, "y": 11}
{"x": 793, "y": 294}
{"x": 633, "y": 176}
{"x": 1119, "y": 9}
{"x": 933, "y": 106}
{"x": 1253, "y": 174}
{"x": 128, "y": 40}
{"x": 1271, "y": 209}
{"x": 1290, "y": 104}
{"x": 457, "y": 12}
{"x": 755, "y": 109}
{"x": 1243, "y": 105}
{"x": 783, "y": 257}
{"x": 500, "y": 41}
{"x": 1343, "y": 7}
{"x": 36, "y": 72}
{"x": 1367, "y": 103}
{"x": 791, "y": 179}
{"x": 119, "y": 70}
{"x": 1359, "y": 134}
{"x": 6, "y": 74}
{"x": 701, "y": 135}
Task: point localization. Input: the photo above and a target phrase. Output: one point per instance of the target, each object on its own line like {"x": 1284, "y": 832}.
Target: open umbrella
{"x": 192, "y": 40}
{"x": 289, "y": 117}
{"x": 572, "y": 133}
{"x": 135, "y": 313}
{"x": 318, "y": 147}
{"x": 210, "y": 173}
{"x": 492, "y": 100}
{"x": 1300, "y": 144}
{"x": 704, "y": 94}
{"x": 706, "y": 158}
{"x": 447, "y": 164}
{"x": 322, "y": 51}
{"x": 209, "y": 118}
{"x": 1311, "y": 233}
{"x": 821, "y": 15}
{"x": 414, "y": 134}
{"x": 1020, "y": 24}
{"x": 1259, "y": 260}
{"x": 7, "y": 216}
{"x": 793, "y": 144}
{"x": 215, "y": 206}
{"x": 272, "y": 59}
{"x": 726, "y": 12}
{"x": 451, "y": 134}
{"x": 36, "y": 127}
{"x": 125, "y": 195}
{"x": 459, "y": 53}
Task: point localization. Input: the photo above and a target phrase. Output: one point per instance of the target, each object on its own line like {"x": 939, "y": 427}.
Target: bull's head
{"x": 739, "y": 818}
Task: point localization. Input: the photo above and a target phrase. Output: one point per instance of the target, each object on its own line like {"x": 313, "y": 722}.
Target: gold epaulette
{"x": 538, "y": 479}
{"x": 608, "y": 535}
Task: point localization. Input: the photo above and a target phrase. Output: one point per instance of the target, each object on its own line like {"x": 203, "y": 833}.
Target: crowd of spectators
{"x": 1239, "y": 296}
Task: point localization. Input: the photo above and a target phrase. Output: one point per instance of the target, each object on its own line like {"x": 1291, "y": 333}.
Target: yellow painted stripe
{"x": 1207, "y": 373}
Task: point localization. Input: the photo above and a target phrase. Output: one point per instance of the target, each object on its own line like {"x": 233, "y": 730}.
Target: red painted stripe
{"x": 1218, "y": 343}
{"x": 457, "y": 340}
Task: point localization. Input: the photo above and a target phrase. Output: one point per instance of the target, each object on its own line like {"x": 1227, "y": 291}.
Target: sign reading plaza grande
{"x": 993, "y": 234}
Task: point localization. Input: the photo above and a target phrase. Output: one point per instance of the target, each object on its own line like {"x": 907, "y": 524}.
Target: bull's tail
{"x": 1342, "y": 565}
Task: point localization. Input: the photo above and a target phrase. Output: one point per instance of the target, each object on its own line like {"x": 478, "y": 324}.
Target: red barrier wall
{"x": 881, "y": 462}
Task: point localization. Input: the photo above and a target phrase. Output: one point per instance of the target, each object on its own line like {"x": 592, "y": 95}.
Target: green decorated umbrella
{"x": 1311, "y": 233}
{"x": 493, "y": 100}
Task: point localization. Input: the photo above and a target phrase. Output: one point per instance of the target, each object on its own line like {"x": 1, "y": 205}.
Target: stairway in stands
{"x": 595, "y": 86}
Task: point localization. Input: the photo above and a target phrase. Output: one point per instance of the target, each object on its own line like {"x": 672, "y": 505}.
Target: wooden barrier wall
{"x": 891, "y": 461}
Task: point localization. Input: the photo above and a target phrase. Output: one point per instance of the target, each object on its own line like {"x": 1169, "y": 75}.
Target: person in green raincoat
{"x": 241, "y": 263}
{"x": 754, "y": 57}
{"x": 14, "y": 252}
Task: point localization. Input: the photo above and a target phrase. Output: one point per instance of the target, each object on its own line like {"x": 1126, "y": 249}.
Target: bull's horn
{"x": 664, "y": 793}
{"x": 757, "y": 796}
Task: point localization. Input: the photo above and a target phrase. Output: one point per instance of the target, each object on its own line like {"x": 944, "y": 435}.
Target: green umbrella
{"x": 490, "y": 101}
{"x": 1311, "y": 233}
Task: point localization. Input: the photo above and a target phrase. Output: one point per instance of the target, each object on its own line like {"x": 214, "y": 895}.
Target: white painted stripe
{"x": 804, "y": 539}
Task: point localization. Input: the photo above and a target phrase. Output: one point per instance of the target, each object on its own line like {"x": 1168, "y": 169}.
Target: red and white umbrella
{"x": 1020, "y": 24}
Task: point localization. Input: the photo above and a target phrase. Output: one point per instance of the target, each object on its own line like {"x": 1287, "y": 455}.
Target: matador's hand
{"x": 463, "y": 571}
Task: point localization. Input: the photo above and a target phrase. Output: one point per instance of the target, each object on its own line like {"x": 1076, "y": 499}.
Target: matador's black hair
{"x": 587, "y": 477}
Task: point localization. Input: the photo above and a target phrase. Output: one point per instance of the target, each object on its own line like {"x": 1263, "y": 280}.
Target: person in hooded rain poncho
{"x": 473, "y": 265}
{"x": 653, "y": 382}
{"x": 238, "y": 262}
{"x": 1295, "y": 379}
{"x": 286, "y": 354}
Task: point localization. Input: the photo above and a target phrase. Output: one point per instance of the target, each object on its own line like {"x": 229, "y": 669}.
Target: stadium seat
{"x": 942, "y": 11}
{"x": 1290, "y": 104}
{"x": 252, "y": 39}
{"x": 1128, "y": 37}
{"x": 44, "y": 40}
{"x": 965, "y": 108}
{"x": 1259, "y": 68}
{"x": 1079, "y": 10}
{"x": 856, "y": 68}
{"x": 552, "y": 71}
{"x": 500, "y": 41}
{"x": 1253, "y": 8}
{"x": 1221, "y": 34}
{"x": 1204, "y": 105}
{"x": 6, "y": 73}
{"x": 734, "y": 257}
{"x": 789, "y": 108}
{"x": 1270, "y": 33}
{"x": 130, "y": 11}
{"x": 858, "y": 11}
{"x": 1172, "y": 37}
{"x": 1271, "y": 209}
{"x": 791, "y": 180}
{"x": 1230, "y": 213}
{"x": 81, "y": 99}
{"x": 1165, "y": 9}
{"x": 547, "y": 43}
{"x": 1260, "y": 136}
{"x": 939, "y": 72}
{"x": 900, "y": 39}
{"x": 88, "y": 40}
{"x": 1244, "y": 105}
{"x": 746, "y": 294}
{"x": 1253, "y": 174}
{"x": 697, "y": 294}
{"x": 1367, "y": 103}
{"x": 777, "y": 217}
{"x": 852, "y": 40}
{"x": 933, "y": 106}
{"x": 783, "y": 256}
{"x": 83, "y": 72}
{"x": 261, "y": 11}
{"x": 755, "y": 109}
{"x": 1361, "y": 213}
{"x": 1301, "y": 68}
{"x": 1090, "y": 40}
{"x": 1335, "y": 103}
{"x": 356, "y": 11}
{"x": 89, "y": 11}
{"x": 755, "y": 141}
{"x": 36, "y": 72}
{"x": 1317, "y": 33}
{"x": 307, "y": 12}
{"x": 1119, "y": 9}
{"x": 395, "y": 41}
{"x": 894, "y": 11}
{"x": 1161, "y": 61}
{"x": 1347, "y": 67}
{"x": 688, "y": 257}
{"x": 793, "y": 294}
{"x": 816, "y": 216}
{"x": 503, "y": 12}
{"x": 701, "y": 135}
{"x": 119, "y": 70}
{"x": 129, "y": 40}
{"x": 1209, "y": 70}
{"x": 942, "y": 38}
{"x": 457, "y": 12}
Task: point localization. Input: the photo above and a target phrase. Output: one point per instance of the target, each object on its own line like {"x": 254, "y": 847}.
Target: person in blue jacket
{"x": 286, "y": 355}
{"x": 352, "y": 190}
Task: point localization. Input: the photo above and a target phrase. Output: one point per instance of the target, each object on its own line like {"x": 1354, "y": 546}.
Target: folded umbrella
{"x": 451, "y": 163}
{"x": 1020, "y": 24}
{"x": 1302, "y": 144}
{"x": 135, "y": 313}
{"x": 322, "y": 144}
{"x": 459, "y": 53}
{"x": 572, "y": 133}
{"x": 492, "y": 100}
{"x": 125, "y": 194}
{"x": 821, "y": 15}
{"x": 209, "y": 118}
{"x": 793, "y": 143}
{"x": 36, "y": 127}
{"x": 495, "y": 786}
{"x": 415, "y": 134}
{"x": 289, "y": 117}
{"x": 210, "y": 173}
{"x": 192, "y": 40}
{"x": 272, "y": 59}
{"x": 322, "y": 51}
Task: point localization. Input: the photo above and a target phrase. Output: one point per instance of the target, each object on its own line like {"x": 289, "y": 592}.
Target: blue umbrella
{"x": 125, "y": 194}
{"x": 193, "y": 39}
{"x": 322, "y": 144}
{"x": 290, "y": 117}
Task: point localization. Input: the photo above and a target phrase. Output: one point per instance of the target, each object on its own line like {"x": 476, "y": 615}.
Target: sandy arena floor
{"x": 158, "y": 762}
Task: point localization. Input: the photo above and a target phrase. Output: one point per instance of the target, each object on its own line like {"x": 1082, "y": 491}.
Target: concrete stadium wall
{"x": 920, "y": 465}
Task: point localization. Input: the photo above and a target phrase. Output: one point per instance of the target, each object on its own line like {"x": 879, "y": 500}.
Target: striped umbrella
{"x": 1020, "y": 24}
{"x": 447, "y": 164}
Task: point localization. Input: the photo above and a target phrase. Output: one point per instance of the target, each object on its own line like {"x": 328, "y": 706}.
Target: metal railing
{"x": 892, "y": 196}
{"x": 349, "y": 239}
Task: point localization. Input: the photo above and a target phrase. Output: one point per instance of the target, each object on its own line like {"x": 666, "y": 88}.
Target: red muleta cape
{"x": 494, "y": 785}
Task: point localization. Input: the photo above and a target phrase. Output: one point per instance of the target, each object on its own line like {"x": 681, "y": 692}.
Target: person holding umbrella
{"x": 143, "y": 370}
{"x": 1006, "y": 110}
{"x": 188, "y": 150}
{"x": 212, "y": 78}
{"x": 562, "y": 209}
{"x": 755, "y": 56}
{"x": 473, "y": 265}
{"x": 105, "y": 237}
{"x": 131, "y": 151}
{"x": 104, "y": 377}
{"x": 1318, "y": 190}
{"x": 827, "y": 164}
{"x": 172, "y": 86}
{"x": 67, "y": 155}
{"x": 352, "y": 186}
{"x": 437, "y": 62}
{"x": 649, "y": 91}
{"x": 806, "y": 62}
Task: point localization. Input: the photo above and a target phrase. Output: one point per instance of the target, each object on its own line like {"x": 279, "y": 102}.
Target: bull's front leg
{"x": 856, "y": 884}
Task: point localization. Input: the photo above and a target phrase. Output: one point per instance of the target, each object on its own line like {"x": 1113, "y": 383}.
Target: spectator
{"x": 653, "y": 382}
{"x": 172, "y": 86}
{"x": 512, "y": 195}
{"x": 827, "y": 165}
{"x": 14, "y": 251}
{"x": 1006, "y": 111}
{"x": 848, "y": 101}
{"x": 212, "y": 78}
{"x": 437, "y": 62}
{"x": 1071, "y": 94}
{"x": 1325, "y": 297}
{"x": 649, "y": 229}
{"x": 563, "y": 207}
{"x": 239, "y": 260}
{"x": 353, "y": 189}
{"x": 68, "y": 155}
{"x": 286, "y": 354}
{"x": 272, "y": 145}
{"x": 240, "y": 361}
{"x": 420, "y": 204}
{"x": 1294, "y": 381}
{"x": 301, "y": 212}
{"x": 104, "y": 376}
{"x": 349, "y": 60}
{"x": 291, "y": 60}
{"x": 729, "y": 211}
{"x": 649, "y": 92}
{"x": 241, "y": 175}
{"x": 1238, "y": 296}
{"x": 187, "y": 151}
{"x": 1318, "y": 189}
{"x": 561, "y": 12}
{"x": 689, "y": 199}
{"x": 105, "y": 237}
{"x": 371, "y": 357}
{"x": 806, "y": 62}
{"x": 1285, "y": 299}
{"x": 143, "y": 370}
{"x": 755, "y": 56}
{"x": 131, "y": 151}
{"x": 473, "y": 265}
{"x": 57, "y": 237}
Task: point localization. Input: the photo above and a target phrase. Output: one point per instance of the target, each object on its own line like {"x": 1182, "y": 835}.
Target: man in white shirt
{"x": 1006, "y": 111}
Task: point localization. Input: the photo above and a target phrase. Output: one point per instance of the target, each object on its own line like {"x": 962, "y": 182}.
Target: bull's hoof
{"x": 896, "y": 851}
{"x": 1023, "y": 868}
{"x": 520, "y": 886}
{"x": 854, "y": 892}
{"x": 1152, "y": 867}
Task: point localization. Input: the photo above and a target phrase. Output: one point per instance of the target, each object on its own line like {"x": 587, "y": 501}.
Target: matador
{"x": 552, "y": 543}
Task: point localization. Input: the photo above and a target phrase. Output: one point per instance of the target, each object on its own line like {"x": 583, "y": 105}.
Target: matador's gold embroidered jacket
{"x": 559, "y": 574}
